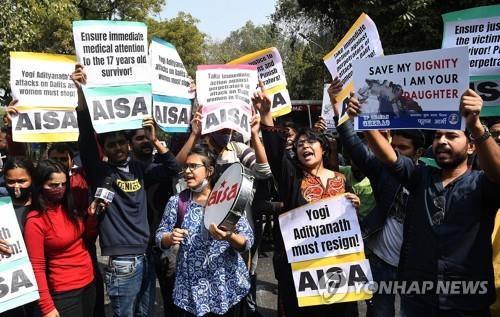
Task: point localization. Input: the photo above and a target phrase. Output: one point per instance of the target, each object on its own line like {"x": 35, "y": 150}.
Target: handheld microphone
{"x": 103, "y": 195}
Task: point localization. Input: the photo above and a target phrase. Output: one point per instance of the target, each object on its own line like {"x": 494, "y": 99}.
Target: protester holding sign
{"x": 123, "y": 228}
{"x": 54, "y": 233}
{"x": 450, "y": 216}
{"x": 18, "y": 174}
{"x": 206, "y": 258}
{"x": 301, "y": 181}
{"x": 383, "y": 226}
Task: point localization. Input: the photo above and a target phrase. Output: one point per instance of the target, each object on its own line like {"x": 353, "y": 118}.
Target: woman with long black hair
{"x": 54, "y": 234}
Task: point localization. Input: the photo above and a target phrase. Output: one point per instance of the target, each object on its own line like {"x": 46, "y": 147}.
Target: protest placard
{"x": 170, "y": 84}
{"x": 327, "y": 110}
{"x": 418, "y": 90}
{"x": 321, "y": 229}
{"x": 118, "y": 108}
{"x": 172, "y": 114}
{"x": 479, "y": 30}
{"x": 42, "y": 80}
{"x": 324, "y": 245}
{"x": 17, "y": 281}
{"x": 45, "y": 125}
{"x": 114, "y": 53}
{"x": 170, "y": 77}
{"x": 361, "y": 41}
{"x": 332, "y": 280}
{"x": 270, "y": 71}
{"x": 225, "y": 93}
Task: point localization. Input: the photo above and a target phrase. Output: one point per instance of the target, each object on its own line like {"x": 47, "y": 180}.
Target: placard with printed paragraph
{"x": 115, "y": 57}
{"x": 170, "y": 84}
{"x": 46, "y": 97}
{"x": 419, "y": 90}
{"x": 224, "y": 92}
{"x": 271, "y": 73}
{"x": 361, "y": 41}
{"x": 17, "y": 280}
{"x": 325, "y": 248}
{"x": 478, "y": 29}
{"x": 114, "y": 53}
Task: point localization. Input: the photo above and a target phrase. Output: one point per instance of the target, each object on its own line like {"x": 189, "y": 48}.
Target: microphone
{"x": 103, "y": 196}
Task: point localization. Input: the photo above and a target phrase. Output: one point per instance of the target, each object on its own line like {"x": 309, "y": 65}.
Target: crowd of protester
{"x": 426, "y": 203}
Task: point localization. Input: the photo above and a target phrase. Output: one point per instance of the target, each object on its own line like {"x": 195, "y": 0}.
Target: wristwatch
{"x": 482, "y": 138}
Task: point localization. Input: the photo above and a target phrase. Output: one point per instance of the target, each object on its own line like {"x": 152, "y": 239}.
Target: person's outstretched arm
{"x": 487, "y": 150}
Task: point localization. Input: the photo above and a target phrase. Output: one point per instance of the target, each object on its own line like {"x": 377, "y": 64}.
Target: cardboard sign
{"x": 271, "y": 73}
{"x": 225, "y": 92}
{"x": 479, "y": 30}
{"x": 322, "y": 238}
{"x": 317, "y": 230}
{"x": 114, "y": 53}
{"x": 17, "y": 280}
{"x": 170, "y": 82}
{"x": 37, "y": 125}
{"x": 46, "y": 97}
{"x": 418, "y": 90}
{"x": 170, "y": 77}
{"x": 118, "y": 108}
{"x": 43, "y": 80}
{"x": 172, "y": 114}
{"x": 361, "y": 41}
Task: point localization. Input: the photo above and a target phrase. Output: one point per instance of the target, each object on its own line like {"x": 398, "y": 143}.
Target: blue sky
{"x": 219, "y": 17}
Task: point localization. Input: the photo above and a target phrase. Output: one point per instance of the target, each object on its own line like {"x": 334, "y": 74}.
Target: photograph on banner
{"x": 419, "y": 90}
{"x": 172, "y": 114}
{"x": 118, "y": 108}
{"x": 169, "y": 77}
{"x": 361, "y": 41}
{"x": 16, "y": 274}
{"x": 45, "y": 125}
{"x": 331, "y": 281}
{"x": 224, "y": 92}
{"x": 113, "y": 52}
{"x": 271, "y": 73}
{"x": 478, "y": 29}
{"x": 43, "y": 80}
{"x": 325, "y": 228}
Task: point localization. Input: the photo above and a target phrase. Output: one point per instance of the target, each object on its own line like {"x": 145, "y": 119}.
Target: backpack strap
{"x": 182, "y": 206}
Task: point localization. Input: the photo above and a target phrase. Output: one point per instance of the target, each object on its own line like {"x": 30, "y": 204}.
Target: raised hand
{"x": 196, "y": 123}
{"x": 320, "y": 125}
{"x": 11, "y": 111}
{"x": 470, "y": 108}
{"x": 149, "y": 129}
{"x": 79, "y": 76}
{"x": 354, "y": 107}
{"x": 260, "y": 101}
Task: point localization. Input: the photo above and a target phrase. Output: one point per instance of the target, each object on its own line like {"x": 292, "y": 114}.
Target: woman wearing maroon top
{"x": 54, "y": 234}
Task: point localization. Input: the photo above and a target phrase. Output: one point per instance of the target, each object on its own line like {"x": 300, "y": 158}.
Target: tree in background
{"x": 183, "y": 33}
{"x": 46, "y": 26}
{"x": 403, "y": 26}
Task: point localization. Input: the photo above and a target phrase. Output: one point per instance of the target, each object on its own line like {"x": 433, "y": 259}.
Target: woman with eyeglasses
{"x": 211, "y": 276}
{"x": 54, "y": 234}
{"x": 301, "y": 180}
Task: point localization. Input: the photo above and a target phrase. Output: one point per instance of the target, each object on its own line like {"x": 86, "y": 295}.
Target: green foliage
{"x": 183, "y": 33}
{"x": 46, "y": 25}
{"x": 403, "y": 26}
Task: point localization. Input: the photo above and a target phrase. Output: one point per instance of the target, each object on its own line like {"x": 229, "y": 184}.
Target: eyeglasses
{"x": 495, "y": 134}
{"x": 302, "y": 142}
{"x": 440, "y": 204}
{"x": 192, "y": 167}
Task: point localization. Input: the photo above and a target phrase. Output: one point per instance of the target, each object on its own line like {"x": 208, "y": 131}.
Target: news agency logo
{"x": 336, "y": 288}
